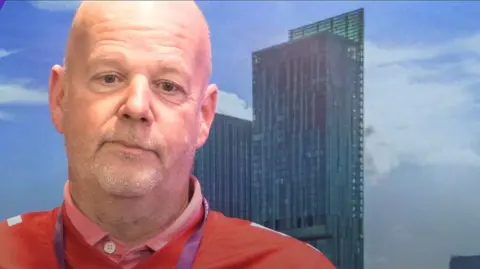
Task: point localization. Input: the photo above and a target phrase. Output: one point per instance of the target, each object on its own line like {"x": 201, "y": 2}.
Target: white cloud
{"x": 231, "y": 105}
{"x": 19, "y": 93}
{"x": 418, "y": 116}
{"x": 5, "y": 53}
{"x": 56, "y": 5}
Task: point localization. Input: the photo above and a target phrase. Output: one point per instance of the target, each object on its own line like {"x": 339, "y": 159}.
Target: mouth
{"x": 129, "y": 148}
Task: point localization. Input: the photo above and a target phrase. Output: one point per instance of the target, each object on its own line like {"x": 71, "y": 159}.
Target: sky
{"x": 422, "y": 92}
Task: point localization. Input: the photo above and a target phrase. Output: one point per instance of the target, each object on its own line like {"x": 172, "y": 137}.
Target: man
{"x": 133, "y": 104}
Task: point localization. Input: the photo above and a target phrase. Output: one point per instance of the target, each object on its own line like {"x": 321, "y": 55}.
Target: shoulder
{"x": 27, "y": 227}
{"x": 23, "y": 234}
{"x": 265, "y": 246}
{"x": 28, "y": 220}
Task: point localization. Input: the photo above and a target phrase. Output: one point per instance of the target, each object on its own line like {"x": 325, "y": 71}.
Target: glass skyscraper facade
{"x": 307, "y": 137}
{"x": 223, "y": 166}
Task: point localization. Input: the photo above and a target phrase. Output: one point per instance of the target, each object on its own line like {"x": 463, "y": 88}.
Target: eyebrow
{"x": 173, "y": 66}
{"x": 103, "y": 60}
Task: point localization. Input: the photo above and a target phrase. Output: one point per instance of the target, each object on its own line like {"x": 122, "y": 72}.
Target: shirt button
{"x": 109, "y": 247}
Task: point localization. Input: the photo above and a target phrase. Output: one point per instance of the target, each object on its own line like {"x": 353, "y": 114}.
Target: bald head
{"x": 184, "y": 18}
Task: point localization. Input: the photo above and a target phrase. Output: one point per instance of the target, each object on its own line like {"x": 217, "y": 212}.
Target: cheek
{"x": 180, "y": 130}
{"x": 82, "y": 126}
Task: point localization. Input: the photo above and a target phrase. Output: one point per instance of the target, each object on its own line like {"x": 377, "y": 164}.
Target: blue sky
{"x": 421, "y": 99}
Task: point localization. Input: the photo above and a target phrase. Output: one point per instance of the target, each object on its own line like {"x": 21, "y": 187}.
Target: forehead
{"x": 140, "y": 33}
{"x": 132, "y": 40}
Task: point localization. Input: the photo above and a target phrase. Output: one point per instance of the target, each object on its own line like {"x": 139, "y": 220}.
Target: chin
{"x": 129, "y": 185}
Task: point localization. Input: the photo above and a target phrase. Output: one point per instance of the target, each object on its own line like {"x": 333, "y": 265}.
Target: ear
{"x": 56, "y": 94}
{"x": 209, "y": 105}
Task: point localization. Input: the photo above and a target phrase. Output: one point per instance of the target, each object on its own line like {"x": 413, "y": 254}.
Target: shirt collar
{"x": 94, "y": 234}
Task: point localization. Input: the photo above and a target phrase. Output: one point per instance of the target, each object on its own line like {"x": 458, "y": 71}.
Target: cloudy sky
{"x": 422, "y": 93}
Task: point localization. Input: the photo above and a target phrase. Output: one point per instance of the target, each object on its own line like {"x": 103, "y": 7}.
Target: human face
{"x": 133, "y": 105}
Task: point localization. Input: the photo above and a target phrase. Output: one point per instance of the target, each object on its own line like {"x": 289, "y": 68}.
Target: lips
{"x": 130, "y": 145}
{"x": 128, "y": 148}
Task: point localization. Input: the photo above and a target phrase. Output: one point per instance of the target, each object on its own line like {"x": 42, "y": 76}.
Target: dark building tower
{"x": 465, "y": 262}
{"x": 223, "y": 166}
{"x": 351, "y": 26}
{"x": 307, "y": 137}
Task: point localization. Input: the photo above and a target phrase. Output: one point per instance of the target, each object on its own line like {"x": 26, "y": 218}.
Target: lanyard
{"x": 187, "y": 256}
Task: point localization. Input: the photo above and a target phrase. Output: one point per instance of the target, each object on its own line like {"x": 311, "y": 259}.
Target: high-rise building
{"x": 307, "y": 137}
{"x": 223, "y": 166}
{"x": 465, "y": 262}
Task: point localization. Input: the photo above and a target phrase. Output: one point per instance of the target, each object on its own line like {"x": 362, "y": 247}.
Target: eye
{"x": 109, "y": 78}
{"x": 167, "y": 86}
{"x": 107, "y": 82}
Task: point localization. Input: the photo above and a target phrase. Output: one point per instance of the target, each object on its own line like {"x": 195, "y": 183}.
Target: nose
{"x": 137, "y": 104}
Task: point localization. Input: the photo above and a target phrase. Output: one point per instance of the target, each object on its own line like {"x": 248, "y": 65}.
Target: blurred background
{"x": 349, "y": 125}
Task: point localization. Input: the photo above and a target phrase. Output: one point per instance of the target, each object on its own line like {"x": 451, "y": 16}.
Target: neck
{"x": 131, "y": 220}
